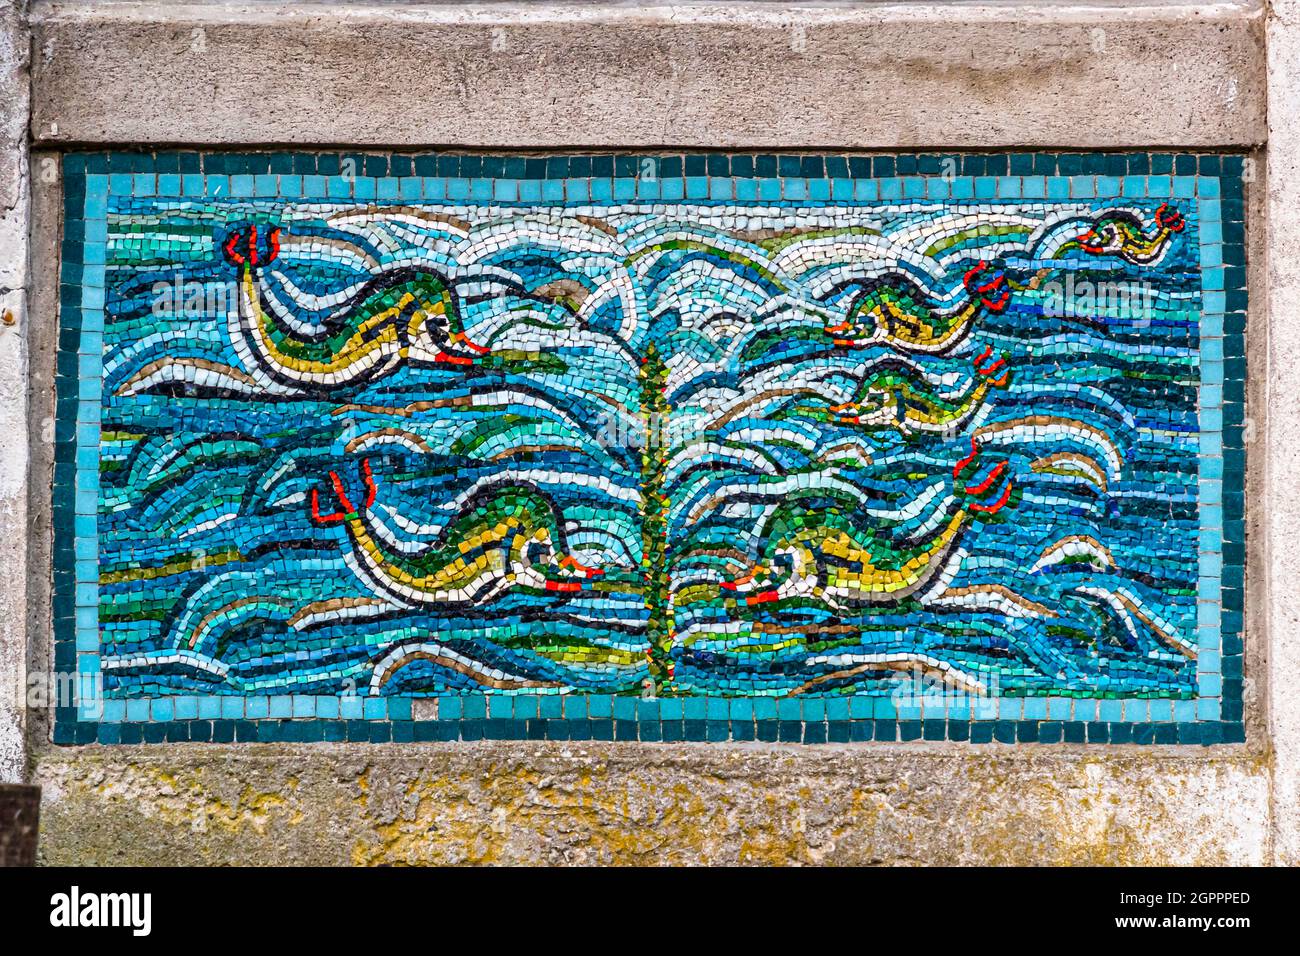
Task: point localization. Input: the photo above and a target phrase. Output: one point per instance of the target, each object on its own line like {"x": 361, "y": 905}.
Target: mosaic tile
{"x": 694, "y": 447}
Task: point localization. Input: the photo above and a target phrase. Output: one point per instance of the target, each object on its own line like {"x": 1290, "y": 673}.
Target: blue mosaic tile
{"x": 703, "y": 447}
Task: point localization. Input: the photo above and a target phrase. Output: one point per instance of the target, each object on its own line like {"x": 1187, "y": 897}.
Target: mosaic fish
{"x": 1121, "y": 233}
{"x": 839, "y": 563}
{"x": 893, "y": 396}
{"x": 402, "y": 315}
{"x": 893, "y": 310}
{"x": 505, "y": 537}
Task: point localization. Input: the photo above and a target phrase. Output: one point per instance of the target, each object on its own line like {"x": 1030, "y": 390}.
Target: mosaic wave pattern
{"x": 727, "y": 447}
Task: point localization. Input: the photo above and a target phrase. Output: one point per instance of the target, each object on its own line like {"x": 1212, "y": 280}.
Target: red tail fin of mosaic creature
{"x": 988, "y": 284}
{"x": 991, "y": 487}
{"x": 252, "y": 244}
{"x": 346, "y": 510}
{"x": 993, "y": 367}
{"x": 1168, "y": 217}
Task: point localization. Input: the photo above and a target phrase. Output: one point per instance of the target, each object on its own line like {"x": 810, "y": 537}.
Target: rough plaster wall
{"x": 715, "y": 74}
{"x": 13, "y": 385}
{"x": 636, "y": 804}
{"x": 514, "y": 802}
{"x": 1284, "y": 418}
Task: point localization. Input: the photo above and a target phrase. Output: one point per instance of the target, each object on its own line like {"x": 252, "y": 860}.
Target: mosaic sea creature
{"x": 893, "y": 310}
{"x": 1121, "y": 233}
{"x": 505, "y": 537}
{"x": 406, "y": 314}
{"x": 894, "y": 396}
{"x": 840, "y": 563}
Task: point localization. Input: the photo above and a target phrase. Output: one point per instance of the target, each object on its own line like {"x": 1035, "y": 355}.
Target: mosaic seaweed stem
{"x": 655, "y": 412}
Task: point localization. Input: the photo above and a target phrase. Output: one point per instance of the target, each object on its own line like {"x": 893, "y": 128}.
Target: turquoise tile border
{"x": 1212, "y": 182}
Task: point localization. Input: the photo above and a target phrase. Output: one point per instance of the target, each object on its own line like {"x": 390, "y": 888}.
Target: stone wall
{"x": 114, "y": 75}
{"x": 14, "y": 226}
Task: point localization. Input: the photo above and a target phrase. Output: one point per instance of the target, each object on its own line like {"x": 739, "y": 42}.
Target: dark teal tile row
{"x": 667, "y": 164}
{"x": 1234, "y": 451}
{"x": 655, "y": 731}
{"x": 69, "y": 729}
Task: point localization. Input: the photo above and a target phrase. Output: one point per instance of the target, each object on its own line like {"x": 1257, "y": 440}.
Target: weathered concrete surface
{"x": 1283, "y": 455}
{"x": 866, "y": 75}
{"x": 639, "y": 804}
{"x": 42, "y": 337}
{"x": 1179, "y": 75}
{"x": 13, "y": 387}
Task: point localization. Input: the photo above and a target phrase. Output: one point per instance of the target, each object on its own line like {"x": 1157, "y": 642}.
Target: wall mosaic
{"x": 651, "y": 447}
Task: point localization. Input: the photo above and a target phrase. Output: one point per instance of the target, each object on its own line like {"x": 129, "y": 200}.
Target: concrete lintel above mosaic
{"x": 668, "y": 447}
